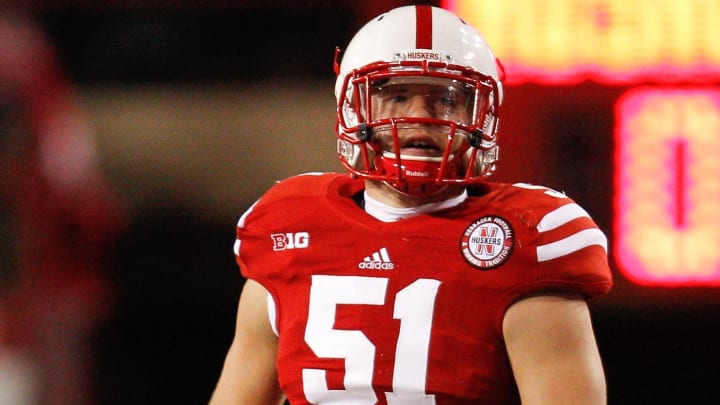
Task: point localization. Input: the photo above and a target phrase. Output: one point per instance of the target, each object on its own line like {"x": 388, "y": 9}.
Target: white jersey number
{"x": 413, "y": 306}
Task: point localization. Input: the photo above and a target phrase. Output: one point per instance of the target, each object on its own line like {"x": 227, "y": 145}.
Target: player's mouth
{"x": 420, "y": 146}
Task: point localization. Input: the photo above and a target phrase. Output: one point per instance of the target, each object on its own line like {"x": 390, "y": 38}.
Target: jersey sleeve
{"x": 570, "y": 249}
{"x": 267, "y": 231}
{"x": 572, "y": 252}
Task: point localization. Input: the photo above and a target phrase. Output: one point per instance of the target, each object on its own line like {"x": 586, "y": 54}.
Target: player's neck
{"x": 385, "y": 194}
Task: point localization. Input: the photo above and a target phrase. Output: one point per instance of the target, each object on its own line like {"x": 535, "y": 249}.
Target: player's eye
{"x": 448, "y": 101}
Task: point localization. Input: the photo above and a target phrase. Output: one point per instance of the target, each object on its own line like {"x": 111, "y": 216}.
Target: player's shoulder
{"x": 305, "y": 192}
{"x": 523, "y": 196}
{"x": 305, "y": 183}
{"x": 311, "y": 184}
{"x": 539, "y": 206}
{"x": 527, "y": 194}
{"x": 566, "y": 243}
{"x": 556, "y": 218}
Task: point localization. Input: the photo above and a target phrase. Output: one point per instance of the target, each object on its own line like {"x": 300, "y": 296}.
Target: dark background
{"x": 177, "y": 284}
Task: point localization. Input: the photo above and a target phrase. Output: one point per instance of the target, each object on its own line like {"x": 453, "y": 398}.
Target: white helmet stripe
{"x": 423, "y": 27}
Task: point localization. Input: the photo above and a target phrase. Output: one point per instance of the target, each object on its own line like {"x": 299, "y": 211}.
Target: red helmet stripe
{"x": 423, "y": 27}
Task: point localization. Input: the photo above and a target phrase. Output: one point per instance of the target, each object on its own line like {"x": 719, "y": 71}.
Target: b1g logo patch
{"x": 487, "y": 243}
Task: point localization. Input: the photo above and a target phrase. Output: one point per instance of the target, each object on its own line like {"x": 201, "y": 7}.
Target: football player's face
{"x": 447, "y": 101}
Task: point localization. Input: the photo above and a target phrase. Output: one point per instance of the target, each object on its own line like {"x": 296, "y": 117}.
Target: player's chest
{"x": 394, "y": 314}
{"x": 462, "y": 247}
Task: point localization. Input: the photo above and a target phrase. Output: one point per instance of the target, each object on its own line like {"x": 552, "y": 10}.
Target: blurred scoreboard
{"x": 610, "y": 41}
{"x": 667, "y": 185}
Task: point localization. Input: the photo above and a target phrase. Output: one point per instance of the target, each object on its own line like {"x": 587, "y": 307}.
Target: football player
{"x": 413, "y": 279}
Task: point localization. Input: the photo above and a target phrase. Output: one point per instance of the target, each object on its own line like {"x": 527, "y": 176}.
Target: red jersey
{"x": 409, "y": 312}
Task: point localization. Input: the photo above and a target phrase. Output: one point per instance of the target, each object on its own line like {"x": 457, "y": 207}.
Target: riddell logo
{"x": 417, "y": 173}
{"x": 379, "y": 260}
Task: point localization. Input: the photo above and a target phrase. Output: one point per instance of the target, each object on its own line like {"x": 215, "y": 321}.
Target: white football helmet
{"x": 428, "y": 52}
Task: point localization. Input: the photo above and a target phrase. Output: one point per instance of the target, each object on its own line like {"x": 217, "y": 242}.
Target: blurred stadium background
{"x": 183, "y": 112}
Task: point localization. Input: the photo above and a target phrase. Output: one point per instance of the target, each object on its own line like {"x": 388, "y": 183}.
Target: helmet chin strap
{"x": 417, "y": 189}
{"x": 414, "y": 174}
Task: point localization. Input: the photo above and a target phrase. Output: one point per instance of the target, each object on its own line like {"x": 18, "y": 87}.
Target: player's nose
{"x": 420, "y": 107}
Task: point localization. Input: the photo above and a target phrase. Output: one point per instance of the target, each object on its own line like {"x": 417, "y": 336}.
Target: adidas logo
{"x": 379, "y": 260}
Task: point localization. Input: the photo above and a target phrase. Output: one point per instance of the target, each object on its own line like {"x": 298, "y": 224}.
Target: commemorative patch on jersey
{"x": 487, "y": 242}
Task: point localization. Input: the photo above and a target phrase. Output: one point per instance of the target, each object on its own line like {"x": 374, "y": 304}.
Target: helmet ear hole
{"x": 365, "y": 133}
{"x": 475, "y": 139}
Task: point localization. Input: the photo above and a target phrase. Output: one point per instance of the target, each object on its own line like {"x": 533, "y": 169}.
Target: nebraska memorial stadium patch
{"x": 487, "y": 242}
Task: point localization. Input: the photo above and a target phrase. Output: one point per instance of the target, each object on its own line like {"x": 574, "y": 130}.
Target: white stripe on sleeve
{"x": 572, "y": 243}
{"x": 560, "y": 216}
